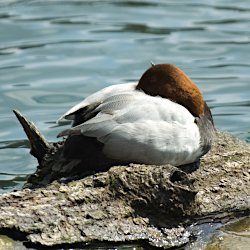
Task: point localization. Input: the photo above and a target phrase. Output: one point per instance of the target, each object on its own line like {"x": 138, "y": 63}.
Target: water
{"x": 55, "y": 53}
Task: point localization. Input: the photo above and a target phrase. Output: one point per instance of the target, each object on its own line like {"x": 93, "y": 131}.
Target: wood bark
{"x": 154, "y": 204}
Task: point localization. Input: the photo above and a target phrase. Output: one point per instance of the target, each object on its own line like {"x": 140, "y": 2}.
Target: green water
{"x": 55, "y": 53}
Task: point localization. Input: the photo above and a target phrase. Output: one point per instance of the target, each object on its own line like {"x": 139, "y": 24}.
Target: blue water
{"x": 55, "y": 53}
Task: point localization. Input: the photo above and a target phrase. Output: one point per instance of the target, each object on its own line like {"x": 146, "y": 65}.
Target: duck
{"x": 161, "y": 119}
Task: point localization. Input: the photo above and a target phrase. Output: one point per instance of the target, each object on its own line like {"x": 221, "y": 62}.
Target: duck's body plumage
{"x": 139, "y": 127}
{"x": 97, "y": 98}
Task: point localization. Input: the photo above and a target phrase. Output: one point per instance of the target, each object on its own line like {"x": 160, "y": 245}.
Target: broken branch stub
{"x": 39, "y": 145}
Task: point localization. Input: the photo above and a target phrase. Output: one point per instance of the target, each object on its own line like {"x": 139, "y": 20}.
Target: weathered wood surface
{"x": 137, "y": 202}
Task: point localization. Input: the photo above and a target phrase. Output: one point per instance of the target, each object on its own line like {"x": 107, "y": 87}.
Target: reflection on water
{"x": 53, "y": 55}
{"x": 233, "y": 236}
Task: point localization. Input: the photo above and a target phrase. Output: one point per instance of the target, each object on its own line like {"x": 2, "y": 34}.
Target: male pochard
{"x": 162, "y": 119}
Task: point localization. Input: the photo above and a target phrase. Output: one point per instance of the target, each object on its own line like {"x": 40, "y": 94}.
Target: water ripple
{"x": 224, "y": 21}
{"x": 54, "y": 53}
{"x": 135, "y": 4}
{"x": 233, "y": 104}
{"x": 10, "y": 66}
{"x": 141, "y": 28}
{"x": 15, "y": 144}
{"x": 28, "y": 45}
{"x": 233, "y": 8}
{"x": 228, "y": 65}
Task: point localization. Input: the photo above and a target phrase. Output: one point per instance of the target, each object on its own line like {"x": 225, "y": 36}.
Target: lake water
{"x": 55, "y": 53}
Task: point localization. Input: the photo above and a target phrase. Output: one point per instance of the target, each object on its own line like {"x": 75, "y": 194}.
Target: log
{"x": 153, "y": 204}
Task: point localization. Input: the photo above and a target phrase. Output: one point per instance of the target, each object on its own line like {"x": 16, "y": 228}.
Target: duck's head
{"x": 168, "y": 81}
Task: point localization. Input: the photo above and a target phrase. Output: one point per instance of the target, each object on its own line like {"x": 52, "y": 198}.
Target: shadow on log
{"x": 156, "y": 204}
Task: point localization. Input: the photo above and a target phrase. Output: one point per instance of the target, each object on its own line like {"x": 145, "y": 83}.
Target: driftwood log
{"x": 153, "y": 204}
